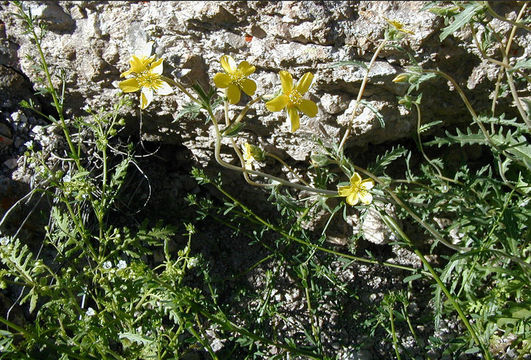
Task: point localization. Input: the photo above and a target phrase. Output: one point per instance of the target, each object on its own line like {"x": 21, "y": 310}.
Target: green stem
{"x": 303, "y": 242}
{"x": 393, "y": 332}
{"x": 499, "y": 17}
{"x": 360, "y": 94}
{"x": 220, "y": 161}
{"x": 394, "y": 226}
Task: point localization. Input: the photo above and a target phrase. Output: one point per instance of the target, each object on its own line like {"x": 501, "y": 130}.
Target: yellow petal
{"x": 248, "y": 86}
{"x": 228, "y": 64}
{"x": 367, "y": 184}
{"x": 246, "y": 68}
{"x": 277, "y": 103}
{"x": 308, "y": 107}
{"x": 344, "y": 190}
{"x": 353, "y": 198}
{"x": 138, "y": 64}
{"x": 146, "y": 96}
{"x": 222, "y": 80}
{"x": 125, "y": 73}
{"x": 294, "y": 119}
{"x": 304, "y": 83}
{"x": 286, "y": 80}
{"x": 164, "y": 89}
{"x": 233, "y": 94}
{"x": 156, "y": 67}
{"x": 129, "y": 85}
{"x": 355, "y": 179}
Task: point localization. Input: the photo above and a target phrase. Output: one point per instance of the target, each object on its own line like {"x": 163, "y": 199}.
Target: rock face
{"x": 93, "y": 41}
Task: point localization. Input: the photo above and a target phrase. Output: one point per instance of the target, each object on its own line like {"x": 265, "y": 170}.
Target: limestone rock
{"x": 93, "y": 41}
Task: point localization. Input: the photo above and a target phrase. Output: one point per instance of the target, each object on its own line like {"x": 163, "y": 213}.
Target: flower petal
{"x": 222, "y": 80}
{"x": 233, "y": 94}
{"x": 304, "y": 83}
{"x": 156, "y": 67}
{"x": 308, "y": 107}
{"x": 286, "y": 80}
{"x": 248, "y": 86}
{"x": 277, "y": 103}
{"x": 228, "y": 64}
{"x": 365, "y": 197}
{"x": 355, "y": 179}
{"x": 164, "y": 88}
{"x": 246, "y": 68}
{"x": 353, "y": 198}
{"x": 367, "y": 184}
{"x": 129, "y": 85}
{"x": 344, "y": 190}
{"x": 138, "y": 64}
{"x": 146, "y": 49}
{"x": 146, "y": 96}
{"x": 294, "y": 119}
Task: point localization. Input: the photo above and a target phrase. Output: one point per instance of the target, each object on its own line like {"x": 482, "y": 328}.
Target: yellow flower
{"x": 147, "y": 72}
{"x": 248, "y": 156}
{"x": 235, "y": 79}
{"x": 358, "y": 190}
{"x": 398, "y": 26}
{"x": 251, "y": 154}
{"x": 400, "y": 78}
{"x": 291, "y": 98}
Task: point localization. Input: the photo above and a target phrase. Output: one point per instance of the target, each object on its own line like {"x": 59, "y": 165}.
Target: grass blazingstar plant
{"x": 235, "y": 80}
{"x": 147, "y": 72}
{"x": 292, "y": 100}
{"x": 357, "y": 191}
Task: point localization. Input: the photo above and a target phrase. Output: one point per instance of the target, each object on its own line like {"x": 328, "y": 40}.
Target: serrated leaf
{"x": 234, "y": 129}
{"x": 428, "y": 126}
{"x": 412, "y": 278}
{"x": 522, "y": 152}
{"x": 524, "y": 64}
{"x": 384, "y": 160}
{"x": 461, "y": 20}
{"x": 139, "y": 339}
{"x": 350, "y": 62}
{"x": 468, "y": 138}
{"x": 190, "y": 110}
{"x": 375, "y": 111}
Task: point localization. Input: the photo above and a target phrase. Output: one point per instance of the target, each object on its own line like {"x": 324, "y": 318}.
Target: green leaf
{"x": 426, "y": 127}
{"x": 234, "y": 129}
{"x": 524, "y": 64}
{"x": 190, "y": 110}
{"x": 350, "y": 62}
{"x": 375, "y": 111}
{"x": 412, "y": 278}
{"x": 461, "y": 19}
{"x": 522, "y": 152}
{"x": 139, "y": 339}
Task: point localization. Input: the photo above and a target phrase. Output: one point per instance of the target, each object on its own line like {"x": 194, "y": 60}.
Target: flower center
{"x": 295, "y": 97}
{"x": 150, "y": 80}
{"x": 236, "y": 78}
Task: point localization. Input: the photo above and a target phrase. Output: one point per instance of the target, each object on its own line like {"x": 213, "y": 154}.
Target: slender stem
{"x": 412, "y": 213}
{"x": 254, "y": 172}
{"x": 245, "y": 110}
{"x": 394, "y": 226}
{"x": 393, "y": 332}
{"x": 303, "y": 242}
{"x": 499, "y": 17}
{"x": 510, "y": 80}
{"x": 419, "y": 120}
{"x": 360, "y": 94}
{"x": 288, "y": 167}
{"x": 182, "y": 88}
